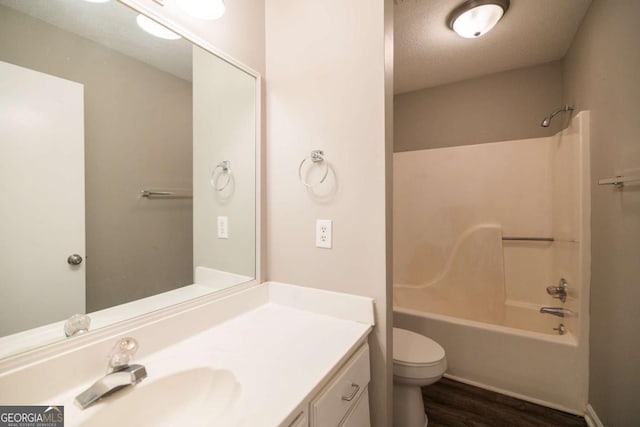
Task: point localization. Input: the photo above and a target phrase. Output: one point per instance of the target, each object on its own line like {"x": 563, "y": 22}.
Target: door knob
{"x": 74, "y": 259}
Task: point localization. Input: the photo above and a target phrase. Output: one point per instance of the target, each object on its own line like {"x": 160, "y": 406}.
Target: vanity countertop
{"x": 271, "y": 357}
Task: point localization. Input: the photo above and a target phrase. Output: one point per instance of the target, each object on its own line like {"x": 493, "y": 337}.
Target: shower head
{"x": 547, "y": 120}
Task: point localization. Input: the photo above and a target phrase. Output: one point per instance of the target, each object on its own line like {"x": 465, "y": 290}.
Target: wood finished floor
{"x": 453, "y": 404}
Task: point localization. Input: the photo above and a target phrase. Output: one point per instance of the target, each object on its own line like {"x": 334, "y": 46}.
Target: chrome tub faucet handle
{"x": 560, "y": 291}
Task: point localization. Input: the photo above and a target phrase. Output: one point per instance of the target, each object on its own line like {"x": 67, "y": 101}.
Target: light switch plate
{"x": 223, "y": 227}
{"x": 324, "y": 233}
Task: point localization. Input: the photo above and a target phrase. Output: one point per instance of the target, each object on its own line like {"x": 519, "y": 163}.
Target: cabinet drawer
{"x": 359, "y": 416}
{"x": 330, "y": 407}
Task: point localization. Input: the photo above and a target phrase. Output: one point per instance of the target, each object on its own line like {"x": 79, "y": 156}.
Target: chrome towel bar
{"x": 166, "y": 194}
{"x": 530, "y": 239}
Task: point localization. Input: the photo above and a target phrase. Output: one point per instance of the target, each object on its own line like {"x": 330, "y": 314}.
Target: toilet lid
{"x": 409, "y": 347}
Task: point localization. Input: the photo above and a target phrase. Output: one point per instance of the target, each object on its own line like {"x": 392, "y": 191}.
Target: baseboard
{"x": 517, "y": 395}
{"x": 592, "y": 418}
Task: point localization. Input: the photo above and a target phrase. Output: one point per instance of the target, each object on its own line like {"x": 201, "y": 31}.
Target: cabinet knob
{"x": 74, "y": 259}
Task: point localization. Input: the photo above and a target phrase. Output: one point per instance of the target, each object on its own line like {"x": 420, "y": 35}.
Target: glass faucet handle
{"x": 122, "y": 352}
{"x": 77, "y": 324}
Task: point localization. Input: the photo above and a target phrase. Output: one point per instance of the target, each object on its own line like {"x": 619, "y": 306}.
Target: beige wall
{"x": 601, "y": 75}
{"x": 224, "y": 128}
{"x": 326, "y": 90}
{"x": 135, "y": 136}
{"x": 498, "y": 107}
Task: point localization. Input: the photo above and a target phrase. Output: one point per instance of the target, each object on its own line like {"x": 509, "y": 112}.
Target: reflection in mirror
{"x": 127, "y": 170}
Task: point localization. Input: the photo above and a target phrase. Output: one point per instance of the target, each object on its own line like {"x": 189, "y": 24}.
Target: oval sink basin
{"x": 195, "y": 397}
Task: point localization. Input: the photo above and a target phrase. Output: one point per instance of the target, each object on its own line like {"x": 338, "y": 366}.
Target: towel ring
{"x": 316, "y": 156}
{"x": 226, "y": 169}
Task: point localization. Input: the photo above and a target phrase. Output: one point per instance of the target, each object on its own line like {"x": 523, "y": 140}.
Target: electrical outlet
{"x": 324, "y": 233}
{"x": 223, "y": 227}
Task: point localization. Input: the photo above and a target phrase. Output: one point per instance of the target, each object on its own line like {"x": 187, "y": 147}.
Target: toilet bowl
{"x": 417, "y": 361}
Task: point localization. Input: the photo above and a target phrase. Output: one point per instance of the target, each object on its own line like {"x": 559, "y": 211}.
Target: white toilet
{"x": 417, "y": 361}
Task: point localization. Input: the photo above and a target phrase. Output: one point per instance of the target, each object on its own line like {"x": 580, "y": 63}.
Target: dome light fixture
{"x": 203, "y": 9}
{"x": 155, "y": 29}
{"x": 474, "y": 18}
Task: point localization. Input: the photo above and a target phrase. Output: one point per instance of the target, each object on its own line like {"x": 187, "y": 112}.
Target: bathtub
{"x": 533, "y": 365}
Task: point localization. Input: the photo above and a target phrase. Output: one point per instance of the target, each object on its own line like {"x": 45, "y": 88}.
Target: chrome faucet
{"x": 556, "y": 311}
{"x": 119, "y": 374}
{"x": 559, "y": 291}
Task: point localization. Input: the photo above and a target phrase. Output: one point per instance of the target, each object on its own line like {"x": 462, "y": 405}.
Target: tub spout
{"x": 556, "y": 311}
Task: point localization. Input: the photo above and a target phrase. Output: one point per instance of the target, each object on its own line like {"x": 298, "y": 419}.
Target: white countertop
{"x": 278, "y": 355}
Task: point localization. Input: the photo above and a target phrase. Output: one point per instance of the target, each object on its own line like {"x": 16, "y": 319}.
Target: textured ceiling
{"x": 112, "y": 25}
{"x": 427, "y": 53}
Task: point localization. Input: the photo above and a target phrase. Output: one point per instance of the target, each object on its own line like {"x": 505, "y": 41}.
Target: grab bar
{"x": 166, "y": 194}
{"x": 530, "y": 239}
{"x": 619, "y": 180}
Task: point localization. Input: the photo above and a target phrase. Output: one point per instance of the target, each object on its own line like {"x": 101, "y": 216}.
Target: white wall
{"x": 326, "y": 90}
{"x": 224, "y": 128}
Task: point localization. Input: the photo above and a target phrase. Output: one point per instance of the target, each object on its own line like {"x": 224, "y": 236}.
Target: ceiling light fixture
{"x": 203, "y": 9}
{"x": 155, "y": 29}
{"x": 475, "y": 18}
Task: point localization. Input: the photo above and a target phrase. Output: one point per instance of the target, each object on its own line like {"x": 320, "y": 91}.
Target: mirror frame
{"x": 55, "y": 348}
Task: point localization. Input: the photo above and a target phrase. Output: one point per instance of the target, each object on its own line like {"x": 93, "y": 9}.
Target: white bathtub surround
{"x": 471, "y": 283}
{"x": 446, "y": 202}
{"x": 272, "y": 356}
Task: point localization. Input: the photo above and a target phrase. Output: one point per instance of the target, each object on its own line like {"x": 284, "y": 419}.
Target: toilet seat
{"x": 416, "y": 356}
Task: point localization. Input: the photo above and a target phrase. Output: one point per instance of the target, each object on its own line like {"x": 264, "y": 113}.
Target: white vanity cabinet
{"x": 343, "y": 401}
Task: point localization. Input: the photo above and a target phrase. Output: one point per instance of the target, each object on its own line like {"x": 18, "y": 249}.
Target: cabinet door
{"x": 359, "y": 416}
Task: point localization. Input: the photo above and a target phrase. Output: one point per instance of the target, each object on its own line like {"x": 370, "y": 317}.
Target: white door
{"x": 41, "y": 198}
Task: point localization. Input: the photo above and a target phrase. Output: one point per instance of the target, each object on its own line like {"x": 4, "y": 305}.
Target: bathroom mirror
{"x": 127, "y": 169}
